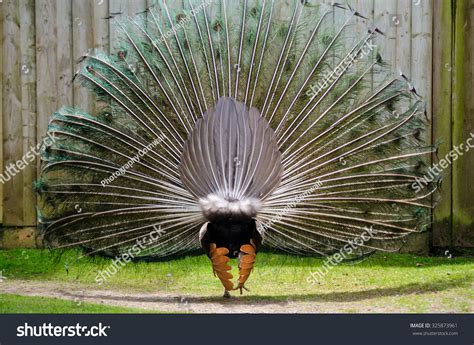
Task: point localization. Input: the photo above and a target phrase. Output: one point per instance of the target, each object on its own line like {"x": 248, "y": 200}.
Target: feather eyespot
{"x": 217, "y": 26}
{"x": 180, "y": 17}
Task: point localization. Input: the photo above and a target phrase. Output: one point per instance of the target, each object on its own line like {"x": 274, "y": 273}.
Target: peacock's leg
{"x": 220, "y": 268}
{"x": 246, "y": 258}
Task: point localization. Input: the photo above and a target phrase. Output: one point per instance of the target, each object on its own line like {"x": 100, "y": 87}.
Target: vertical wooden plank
{"x": 12, "y": 126}
{"x": 46, "y": 63}
{"x": 356, "y": 25}
{"x": 1, "y": 109}
{"x": 442, "y": 72}
{"x": 386, "y": 19}
{"x": 100, "y": 25}
{"x": 90, "y": 32}
{"x": 124, "y": 8}
{"x": 418, "y": 243}
{"x": 463, "y": 125}
{"x": 63, "y": 52}
{"x": 465, "y": 237}
{"x": 403, "y": 46}
{"x": 53, "y": 59}
{"x": 101, "y": 30}
{"x": 421, "y": 57}
{"x": 28, "y": 106}
{"x": 395, "y": 19}
{"x": 82, "y": 42}
{"x": 366, "y": 8}
{"x": 421, "y": 67}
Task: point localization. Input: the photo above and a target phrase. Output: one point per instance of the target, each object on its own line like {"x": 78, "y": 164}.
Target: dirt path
{"x": 168, "y": 302}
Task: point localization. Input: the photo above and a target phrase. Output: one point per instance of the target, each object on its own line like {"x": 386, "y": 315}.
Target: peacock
{"x": 233, "y": 126}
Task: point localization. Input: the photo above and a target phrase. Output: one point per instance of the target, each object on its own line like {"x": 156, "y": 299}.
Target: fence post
{"x": 463, "y": 124}
{"x": 442, "y": 115}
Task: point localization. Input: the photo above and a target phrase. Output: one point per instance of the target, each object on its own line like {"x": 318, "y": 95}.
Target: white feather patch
{"x": 214, "y": 206}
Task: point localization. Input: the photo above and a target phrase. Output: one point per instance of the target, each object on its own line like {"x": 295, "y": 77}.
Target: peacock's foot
{"x": 241, "y": 288}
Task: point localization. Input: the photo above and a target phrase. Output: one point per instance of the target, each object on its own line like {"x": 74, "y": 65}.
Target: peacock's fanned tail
{"x": 349, "y": 132}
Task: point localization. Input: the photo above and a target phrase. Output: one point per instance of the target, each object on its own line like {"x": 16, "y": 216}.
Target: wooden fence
{"x": 429, "y": 40}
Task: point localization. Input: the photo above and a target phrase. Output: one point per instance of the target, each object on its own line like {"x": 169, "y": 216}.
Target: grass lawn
{"x": 401, "y": 281}
{"x": 44, "y": 305}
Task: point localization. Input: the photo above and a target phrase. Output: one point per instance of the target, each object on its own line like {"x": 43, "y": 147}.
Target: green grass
{"x": 401, "y": 281}
{"x": 45, "y": 305}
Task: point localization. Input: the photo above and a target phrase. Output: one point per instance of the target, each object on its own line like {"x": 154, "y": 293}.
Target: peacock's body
{"x": 232, "y": 125}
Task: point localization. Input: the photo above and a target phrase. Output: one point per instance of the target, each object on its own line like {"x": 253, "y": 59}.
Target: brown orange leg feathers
{"x": 247, "y": 257}
{"x": 221, "y": 269}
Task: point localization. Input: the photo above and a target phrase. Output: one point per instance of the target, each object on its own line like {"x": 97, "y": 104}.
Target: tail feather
{"x": 231, "y": 153}
{"x": 349, "y": 145}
